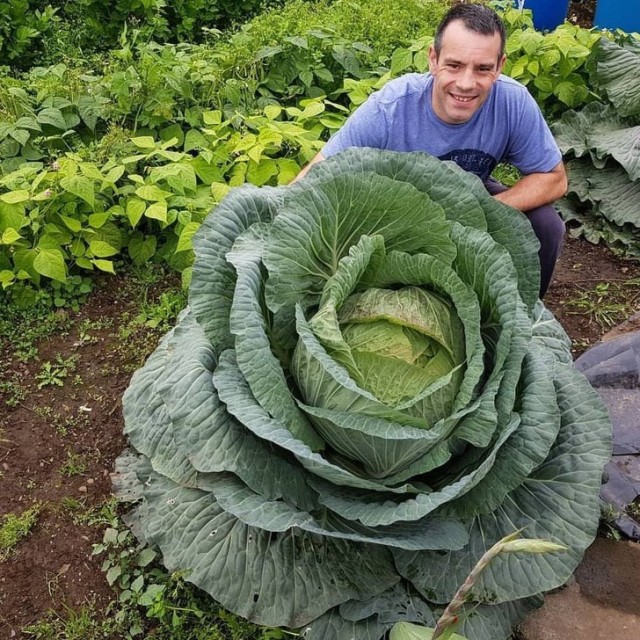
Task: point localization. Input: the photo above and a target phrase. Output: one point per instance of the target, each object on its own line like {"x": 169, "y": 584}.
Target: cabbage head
{"x": 362, "y": 397}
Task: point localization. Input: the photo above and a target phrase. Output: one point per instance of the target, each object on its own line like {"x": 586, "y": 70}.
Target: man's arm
{"x": 317, "y": 158}
{"x": 536, "y": 189}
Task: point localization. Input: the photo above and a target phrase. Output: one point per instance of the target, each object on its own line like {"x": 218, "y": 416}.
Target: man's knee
{"x": 548, "y": 227}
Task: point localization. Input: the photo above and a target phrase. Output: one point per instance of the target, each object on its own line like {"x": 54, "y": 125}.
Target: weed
{"x": 103, "y": 515}
{"x": 608, "y": 514}
{"x": 43, "y": 412}
{"x": 22, "y": 325}
{"x": 81, "y": 624}
{"x": 14, "y": 528}
{"x": 633, "y": 509}
{"x": 53, "y": 374}
{"x": 606, "y": 304}
{"x": 74, "y": 508}
{"x": 13, "y": 391}
{"x": 87, "y": 325}
{"x": 162, "y": 313}
{"x": 506, "y": 174}
{"x": 75, "y": 465}
{"x": 62, "y": 422}
{"x": 26, "y": 352}
{"x": 175, "y": 609}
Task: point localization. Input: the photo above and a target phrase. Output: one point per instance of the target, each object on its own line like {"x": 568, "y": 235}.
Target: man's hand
{"x": 536, "y": 189}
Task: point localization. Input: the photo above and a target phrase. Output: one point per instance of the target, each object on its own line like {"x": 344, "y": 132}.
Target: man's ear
{"x": 433, "y": 58}
{"x": 501, "y": 64}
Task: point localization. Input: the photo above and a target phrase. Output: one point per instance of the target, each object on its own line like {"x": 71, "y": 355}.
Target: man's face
{"x": 464, "y": 73}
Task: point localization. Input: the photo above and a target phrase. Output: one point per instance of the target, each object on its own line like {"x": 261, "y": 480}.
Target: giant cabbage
{"x": 363, "y": 396}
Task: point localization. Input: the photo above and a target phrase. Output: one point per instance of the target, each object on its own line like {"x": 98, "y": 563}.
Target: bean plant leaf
{"x": 50, "y": 263}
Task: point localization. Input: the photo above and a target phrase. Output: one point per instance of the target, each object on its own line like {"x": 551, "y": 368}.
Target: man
{"x": 466, "y": 111}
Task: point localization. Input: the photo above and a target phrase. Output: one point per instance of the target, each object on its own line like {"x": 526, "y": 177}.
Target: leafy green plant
{"x": 147, "y": 595}
{"x": 75, "y": 214}
{"x": 74, "y": 624}
{"x": 158, "y": 20}
{"x": 364, "y": 396}
{"x": 14, "y": 528}
{"x": 13, "y": 391}
{"x": 162, "y": 313}
{"x": 54, "y": 373}
{"x": 599, "y": 147}
{"x": 22, "y": 26}
{"x": 554, "y": 66}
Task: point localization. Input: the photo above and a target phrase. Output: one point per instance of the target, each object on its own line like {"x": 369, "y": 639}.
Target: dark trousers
{"x": 549, "y": 229}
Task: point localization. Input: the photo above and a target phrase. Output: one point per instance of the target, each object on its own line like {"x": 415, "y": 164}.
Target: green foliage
{"x": 74, "y": 624}
{"x": 554, "y": 66}
{"x": 605, "y": 304}
{"x": 203, "y": 119}
{"x": 76, "y": 214}
{"x": 74, "y": 465}
{"x": 507, "y": 174}
{"x": 87, "y": 26}
{"x": 54, "y": 373}
{"x": 121, "y": 164}
{"x": 51, "y": 111}
{"x": 28, "y": 316}
{"x": 599, "y": 143}
{"x": 14, "y": 528}
{"x": 149, "y": 597}
{"x": 162, "y": 313}
{"x": 13, "y": 391}
{"x": 23, "y": 25}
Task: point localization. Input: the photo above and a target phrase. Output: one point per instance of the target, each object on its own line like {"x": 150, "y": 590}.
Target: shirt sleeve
{"x": 532, "y": 148}
{"x": 365, "y": 127}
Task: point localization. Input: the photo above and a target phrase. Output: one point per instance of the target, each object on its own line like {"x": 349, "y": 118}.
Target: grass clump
{"x": 16, "y": 527}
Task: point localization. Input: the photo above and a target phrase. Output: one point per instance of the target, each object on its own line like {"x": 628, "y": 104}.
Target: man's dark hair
{"x": 475, "y": 17}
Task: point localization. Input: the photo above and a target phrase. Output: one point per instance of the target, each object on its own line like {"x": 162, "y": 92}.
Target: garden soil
{"x": 58, "y": 443}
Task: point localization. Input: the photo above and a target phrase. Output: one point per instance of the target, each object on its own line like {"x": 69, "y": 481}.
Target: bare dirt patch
{"x": 58, "y": 443}
{"x": 60, "y": 432}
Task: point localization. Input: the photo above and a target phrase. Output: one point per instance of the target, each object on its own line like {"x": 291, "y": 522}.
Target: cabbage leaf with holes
{"x": 362, "y": 397}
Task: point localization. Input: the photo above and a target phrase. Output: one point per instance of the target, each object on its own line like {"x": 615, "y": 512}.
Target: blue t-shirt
{"x": 508, "y": 127}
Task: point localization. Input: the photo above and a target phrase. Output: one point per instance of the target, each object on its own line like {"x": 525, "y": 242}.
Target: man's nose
{"x": 466, "y": 79}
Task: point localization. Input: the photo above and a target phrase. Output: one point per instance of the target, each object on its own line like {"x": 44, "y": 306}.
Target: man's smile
{"x": 462, "y": 98}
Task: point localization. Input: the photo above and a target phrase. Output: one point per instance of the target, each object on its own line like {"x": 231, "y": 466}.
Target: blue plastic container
{"x": 547, "y": 14}
{"x": 618, "y": 14}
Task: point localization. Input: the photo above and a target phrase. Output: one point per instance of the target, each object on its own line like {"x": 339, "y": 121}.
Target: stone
{"x": 602, "y": 603}
{"x": 613, "y": 368}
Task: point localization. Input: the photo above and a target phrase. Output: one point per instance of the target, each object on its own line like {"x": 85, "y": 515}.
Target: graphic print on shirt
{"x": 473, "y": 161}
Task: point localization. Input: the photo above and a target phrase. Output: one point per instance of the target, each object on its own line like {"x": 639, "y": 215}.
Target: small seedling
{"x": 54, "y": 374}
{"x": 14, "y": 393}
{"x": 75, "y": 465}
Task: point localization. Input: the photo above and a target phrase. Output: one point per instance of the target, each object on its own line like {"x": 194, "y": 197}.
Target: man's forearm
{"x": 317, "y": 158}
{"x": 536, "y": 190}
